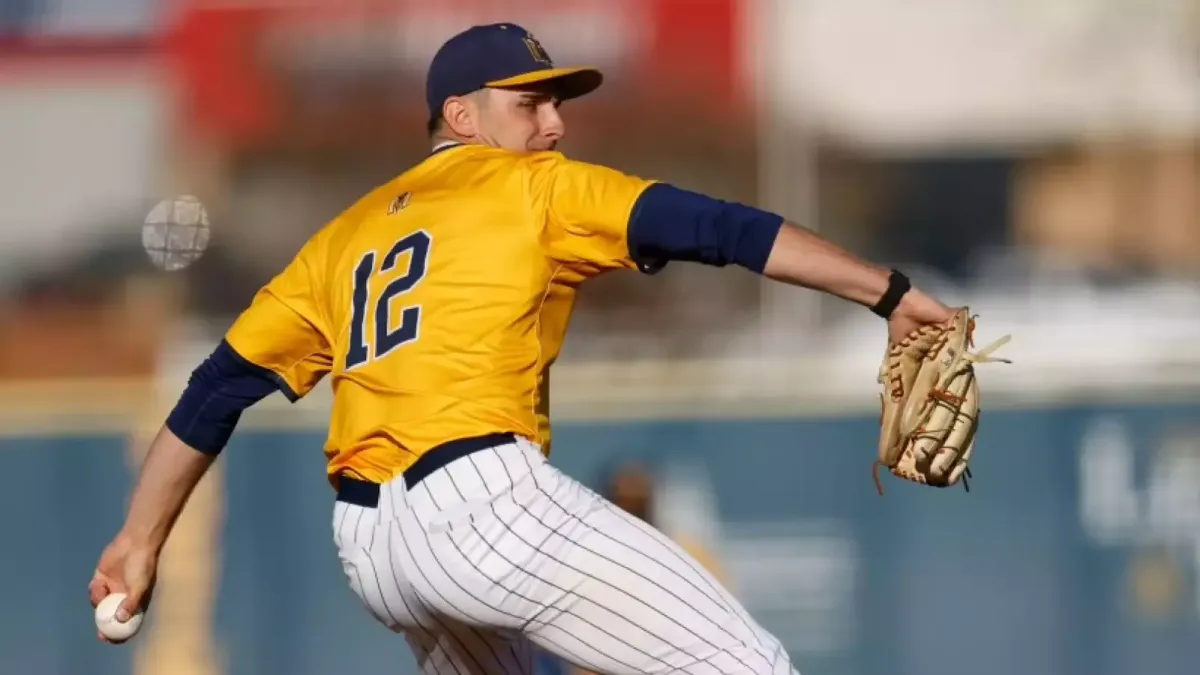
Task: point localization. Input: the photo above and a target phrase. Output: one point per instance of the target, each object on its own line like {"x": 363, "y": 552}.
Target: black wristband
{"x": 898, "y": 285}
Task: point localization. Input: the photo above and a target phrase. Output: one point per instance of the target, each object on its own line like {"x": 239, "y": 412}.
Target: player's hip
{"x": 403, "y": 544}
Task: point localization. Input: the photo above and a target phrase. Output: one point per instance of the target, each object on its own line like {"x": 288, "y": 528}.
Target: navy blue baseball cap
{"x": 499, "y": 55}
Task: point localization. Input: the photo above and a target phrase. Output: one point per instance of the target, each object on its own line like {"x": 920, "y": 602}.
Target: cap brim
{"x": 571, "y": 82}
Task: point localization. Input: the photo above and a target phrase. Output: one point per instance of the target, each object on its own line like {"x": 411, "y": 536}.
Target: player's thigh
{"x": 631, "y": 600}
{"x": 583, "y": 580}
{"x": 363, "y": 550}
{"x": 441, "y": 644}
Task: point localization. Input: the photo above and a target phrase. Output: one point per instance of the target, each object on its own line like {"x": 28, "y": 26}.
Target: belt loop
{"x": 385, "y": 502}
{"x": 391, "y": 499}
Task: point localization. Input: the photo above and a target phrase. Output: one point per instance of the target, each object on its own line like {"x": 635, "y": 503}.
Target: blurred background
{"x": 1036, "y": 159}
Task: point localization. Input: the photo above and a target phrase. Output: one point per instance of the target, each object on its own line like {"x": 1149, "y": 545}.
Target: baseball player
{"x": 436, "y": 304}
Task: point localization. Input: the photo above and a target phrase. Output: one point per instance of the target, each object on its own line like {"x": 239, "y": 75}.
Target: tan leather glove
{"x": 930, "y": 403}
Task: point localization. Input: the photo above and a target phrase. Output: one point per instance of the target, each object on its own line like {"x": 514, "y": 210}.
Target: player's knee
{"x": 782, "y": 664}
{"x": 772, "y": 658}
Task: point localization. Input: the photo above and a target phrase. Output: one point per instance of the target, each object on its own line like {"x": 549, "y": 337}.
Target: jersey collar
{"x": 443, "y": 146}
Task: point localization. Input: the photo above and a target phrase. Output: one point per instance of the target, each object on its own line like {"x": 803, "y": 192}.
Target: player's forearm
{"x": 169, "y": 475}
{"x": 802, "y": 258}
{"x": 194, "y": 434}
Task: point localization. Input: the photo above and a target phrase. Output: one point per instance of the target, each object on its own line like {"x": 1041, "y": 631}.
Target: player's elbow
{"x": 218, "y": 391}
{"x": 669, "y": 223}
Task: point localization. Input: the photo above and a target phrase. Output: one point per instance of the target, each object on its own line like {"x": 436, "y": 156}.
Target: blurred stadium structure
{"x": 1038, "y": 160}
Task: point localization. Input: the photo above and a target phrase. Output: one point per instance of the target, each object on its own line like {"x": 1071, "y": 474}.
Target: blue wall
{"x": 1030, "y": 573}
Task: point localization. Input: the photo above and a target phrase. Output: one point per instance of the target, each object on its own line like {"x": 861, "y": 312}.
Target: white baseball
{"x": 106, "y": 619}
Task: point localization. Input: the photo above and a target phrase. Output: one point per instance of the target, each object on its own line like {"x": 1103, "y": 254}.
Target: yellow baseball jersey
{"x": 439, "y": 301}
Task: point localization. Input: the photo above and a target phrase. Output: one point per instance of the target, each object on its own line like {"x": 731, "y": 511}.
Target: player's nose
{"x": 553, "y": 126}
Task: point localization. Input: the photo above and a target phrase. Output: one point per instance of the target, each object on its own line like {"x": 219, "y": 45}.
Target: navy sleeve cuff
{"x": 218, "y": 391}
{"x": 669, "y": 223}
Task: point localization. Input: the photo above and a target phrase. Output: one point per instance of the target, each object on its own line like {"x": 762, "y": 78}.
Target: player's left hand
{"x": 916, "y": 309}
{"x": 125, "y": 567}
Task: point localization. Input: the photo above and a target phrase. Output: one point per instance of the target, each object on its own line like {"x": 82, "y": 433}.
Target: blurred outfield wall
{"x": 1075, "y": 553}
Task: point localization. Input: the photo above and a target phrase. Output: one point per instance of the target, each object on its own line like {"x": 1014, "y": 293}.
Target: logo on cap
{"x": 537, "y": 51}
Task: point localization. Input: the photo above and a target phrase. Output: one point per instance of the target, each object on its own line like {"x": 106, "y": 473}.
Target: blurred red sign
{"x": 236, "y": 59}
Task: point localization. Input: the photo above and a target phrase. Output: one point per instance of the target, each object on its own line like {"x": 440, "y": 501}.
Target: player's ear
{"x": 460, "y": 117}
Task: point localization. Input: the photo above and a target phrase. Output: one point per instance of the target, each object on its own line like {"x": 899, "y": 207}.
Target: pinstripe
{"x": 426, "y": 657}
{"x": 543, "y": 607}
{"x": 442, "y": 628}
{"x": 359, "y": 524}
{"x": 499, "y": 661}
{"x": 553, "y": 645}
{"x": 342, "y": 522}
{"x": 702, "y": 614}
{"x": 432, "y": 659}
{"x": 663, "y": 550}
{"x": 373, "y": 530}
{"x": 463, "y": 651}
{"x": 778, "y": 665}
{"x": 609, "y": 566}
{"x": 614, "y": 614}
{"x": 522, "y": 651}
{"x": 748, "y": 633}
{"x": 341, "y": 539}
{"x": 614, "y": 586}
{"x": 500, "y": 547}
{"x": 660, "y": 545}
{"x": 653, "y": 537}
{"x": 470, "y": 652}
{"x": 652, "y": 607}
{"x": 451, "y": 608}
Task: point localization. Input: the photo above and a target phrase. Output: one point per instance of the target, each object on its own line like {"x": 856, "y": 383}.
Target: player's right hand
{"x": 125, "y": 567}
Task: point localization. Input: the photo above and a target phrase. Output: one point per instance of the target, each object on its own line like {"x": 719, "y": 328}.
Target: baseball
{"x": 106, "y": 619}
{"x": 176, "y": 232}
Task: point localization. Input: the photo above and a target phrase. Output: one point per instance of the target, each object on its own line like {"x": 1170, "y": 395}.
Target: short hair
{"x": 434, "y": 124}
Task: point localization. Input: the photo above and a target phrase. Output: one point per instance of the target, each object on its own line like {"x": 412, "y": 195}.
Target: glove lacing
{"x": 966, "y": 359}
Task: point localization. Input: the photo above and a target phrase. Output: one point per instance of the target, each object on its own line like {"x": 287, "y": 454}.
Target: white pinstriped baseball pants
{"x": 499, "y": 549}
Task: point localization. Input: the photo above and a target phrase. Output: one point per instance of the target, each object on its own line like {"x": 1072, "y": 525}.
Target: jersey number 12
{"x": 386, "y": 339}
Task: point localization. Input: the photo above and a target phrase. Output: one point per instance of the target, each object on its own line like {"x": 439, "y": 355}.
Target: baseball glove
{"x": 930, "y": 403}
